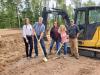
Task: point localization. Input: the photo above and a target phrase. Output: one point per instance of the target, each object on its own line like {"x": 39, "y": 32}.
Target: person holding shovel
{"x": 64, "y": 39}
{"x": 27, "y": 36}
{"x": 39, "y": 29}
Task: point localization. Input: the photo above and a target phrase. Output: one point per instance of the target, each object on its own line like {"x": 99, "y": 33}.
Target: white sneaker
{"x": 45, "y": 59}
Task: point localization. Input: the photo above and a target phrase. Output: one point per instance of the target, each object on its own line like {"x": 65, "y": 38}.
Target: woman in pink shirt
{"x": 64, "y": 37}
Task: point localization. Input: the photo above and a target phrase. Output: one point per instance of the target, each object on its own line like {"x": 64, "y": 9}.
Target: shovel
{"x": 59, "y": 49}
{"x": 44, "y": 59}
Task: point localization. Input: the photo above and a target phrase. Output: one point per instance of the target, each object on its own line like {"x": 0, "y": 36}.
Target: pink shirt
{"x": 64, "y": 37}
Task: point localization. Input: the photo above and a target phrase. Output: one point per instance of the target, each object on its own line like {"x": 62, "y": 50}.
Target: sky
{"x": 96, "y": 1}
{"x": 52, "y": 3}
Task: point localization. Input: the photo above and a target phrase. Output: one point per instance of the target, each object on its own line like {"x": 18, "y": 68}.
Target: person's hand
{"x": 62, "y": 42}
{"x": 26, "y": 41}
{"x": 39, "y": 40}
{"x": 77, "y": 35}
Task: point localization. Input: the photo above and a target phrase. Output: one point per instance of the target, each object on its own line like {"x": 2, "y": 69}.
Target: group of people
{"x": 59, "y": 34}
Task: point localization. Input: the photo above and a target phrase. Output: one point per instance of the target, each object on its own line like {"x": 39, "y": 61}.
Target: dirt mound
{"x": 11, "y": 48}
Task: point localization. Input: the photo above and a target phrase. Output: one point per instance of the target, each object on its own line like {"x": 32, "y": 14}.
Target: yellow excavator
{"x": 88, "y": 19}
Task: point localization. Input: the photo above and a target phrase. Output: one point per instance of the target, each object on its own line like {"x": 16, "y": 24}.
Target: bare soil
{"x": 14, "y": 62}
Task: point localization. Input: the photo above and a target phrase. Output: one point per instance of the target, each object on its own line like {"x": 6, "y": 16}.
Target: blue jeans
{"x": 57, "y": 44}
{"x": 42, "y": 45}
{"x": 65, "y": 49}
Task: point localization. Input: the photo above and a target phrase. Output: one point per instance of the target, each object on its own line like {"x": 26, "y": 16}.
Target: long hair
{"x": 62, "y": 27}
{"x": 26, "y": 21}
{"x": 56, "y": 23}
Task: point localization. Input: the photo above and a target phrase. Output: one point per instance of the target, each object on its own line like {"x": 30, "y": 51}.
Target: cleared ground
{"x": 13, "y": 61}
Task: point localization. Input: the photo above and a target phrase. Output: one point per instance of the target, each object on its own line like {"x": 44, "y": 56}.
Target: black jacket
{"x": 55, "y": 35}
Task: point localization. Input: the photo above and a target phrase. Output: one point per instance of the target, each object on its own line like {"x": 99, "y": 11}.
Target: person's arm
{"x": 51, "y": 32}
{"x": 67, "y": 36}
{"x": 24, "y": 34}
{"x": 42, "y": 32}
{"x": 81, "y": 30}
{"x": 34, "y": 26}
{"x": 78, "y": 34}
{"x": 68, "y": 31}
{"x": 41, "y": 35}
{"x": 78, "y": 31}
{"x": 33, "y": 32}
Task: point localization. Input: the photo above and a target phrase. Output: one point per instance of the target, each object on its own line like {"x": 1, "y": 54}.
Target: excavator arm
{"x": 61, "y": 12}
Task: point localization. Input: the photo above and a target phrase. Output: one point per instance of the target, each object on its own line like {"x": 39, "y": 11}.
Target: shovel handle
{"x": 59, "y": 49}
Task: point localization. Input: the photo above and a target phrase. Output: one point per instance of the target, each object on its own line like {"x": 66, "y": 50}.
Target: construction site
{"x": 14, "y": 62}
{"x": 85, "y": 15}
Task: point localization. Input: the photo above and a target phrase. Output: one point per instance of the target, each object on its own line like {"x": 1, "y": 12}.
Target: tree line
{"x": 12, "y": 12}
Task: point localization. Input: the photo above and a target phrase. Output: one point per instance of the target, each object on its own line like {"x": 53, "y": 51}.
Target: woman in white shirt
{"x": 27, "y": 35}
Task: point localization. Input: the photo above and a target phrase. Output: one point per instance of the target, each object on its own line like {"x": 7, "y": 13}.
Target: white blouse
{"x": 27, "y": 30}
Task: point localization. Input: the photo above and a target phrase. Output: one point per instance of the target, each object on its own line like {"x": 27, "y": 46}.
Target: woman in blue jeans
{"x": 55, "y": 36}
{"x": 64, "y": 39}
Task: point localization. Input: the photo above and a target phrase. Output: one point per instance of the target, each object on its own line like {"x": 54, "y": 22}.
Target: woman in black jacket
{"x": 55, "y": 36}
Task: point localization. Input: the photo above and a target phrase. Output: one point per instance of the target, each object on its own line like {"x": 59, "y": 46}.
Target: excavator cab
{"x": 88, "y": 20}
